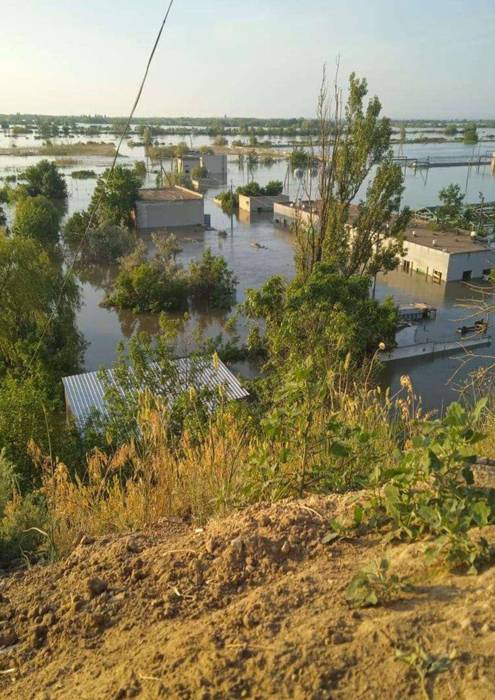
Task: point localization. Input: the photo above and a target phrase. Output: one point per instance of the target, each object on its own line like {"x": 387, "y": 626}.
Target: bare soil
{"x": 251, "y": 606}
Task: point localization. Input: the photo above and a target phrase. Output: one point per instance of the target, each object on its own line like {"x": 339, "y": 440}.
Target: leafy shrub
{"x": 45, "y": 179}
{"x": 37, "y": 218}
{"x": 83, "y": 174}
{"x": 211, "y": 282}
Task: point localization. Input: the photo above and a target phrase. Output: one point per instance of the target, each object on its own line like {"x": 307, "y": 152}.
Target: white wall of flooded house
{"x": 166, "y": 214}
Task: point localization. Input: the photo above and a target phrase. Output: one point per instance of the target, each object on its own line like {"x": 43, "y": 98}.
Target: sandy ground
{"x": 252, "y": 606}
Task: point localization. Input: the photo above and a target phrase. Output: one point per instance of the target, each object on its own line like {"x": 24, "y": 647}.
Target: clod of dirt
{"x": 8, "y": 635}
{"x": 96, "y": 586}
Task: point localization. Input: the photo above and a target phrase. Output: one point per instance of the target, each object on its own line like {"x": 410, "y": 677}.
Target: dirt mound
{"x": 250, "y": 606}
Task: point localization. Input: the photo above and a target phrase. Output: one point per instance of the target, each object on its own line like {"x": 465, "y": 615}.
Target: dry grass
{"x": 230, "y": 464}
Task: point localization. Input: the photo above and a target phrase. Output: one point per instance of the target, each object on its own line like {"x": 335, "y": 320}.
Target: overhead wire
{"x": 95, "y": 209}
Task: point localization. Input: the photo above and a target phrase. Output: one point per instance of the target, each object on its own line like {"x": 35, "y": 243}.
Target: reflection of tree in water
{"x": 131, "y": 323}
{"x": 99, "y": 276}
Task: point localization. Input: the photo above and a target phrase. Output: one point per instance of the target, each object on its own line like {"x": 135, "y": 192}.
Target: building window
{"x": 406, "y": 265}
{"x": 466, "y": 275}
{"x": 436, "y": 276}
{"x": 487, "y": 272}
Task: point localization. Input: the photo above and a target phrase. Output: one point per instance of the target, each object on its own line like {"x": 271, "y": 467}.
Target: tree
{"x": 37, "y": 218}
{"x": 114, "y": 198}
{"x": 38, "y": 312}
{"x": 450, "y": 130}
{"x": 147, "y": 137}
{"x": 44, "y": 178}
{"x": 220, "y": 141}
{"x": 327, "y": 316}
{"x": 211, "y": 282}
{"x": 352, "y": 144}
{"x": 470, "y": 133}
{"x": 451, "y": 211}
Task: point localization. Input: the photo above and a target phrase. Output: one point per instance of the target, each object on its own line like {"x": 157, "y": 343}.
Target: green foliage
{"x": 159, "y": 284}
{"x": 451, "y": 211}
{"x": 351, "y": 145}
{"x": 450, "y": 130}
{"x": 374, "y": 586}
{"x": 423, "y": 663}
{"x": 105, "y": 244}
{"x": 299, "y": 159}
{"x": 326, "y": 316}
{"x": 114, "y": 197}
{"x": 220, "y": 141}
{"x": 83, "y": 174}
{"x": 429, "y": 491}
{"x": 471, "y": 134}
{"x": 198, "y": 172}
{"x": 211, "y": 282}
{"x": 45, "y": 179}
{"x": 37, "y": 218}
{"x": 229, "y": 201}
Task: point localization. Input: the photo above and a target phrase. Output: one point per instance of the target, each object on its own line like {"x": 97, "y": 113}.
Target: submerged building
{"x": 169, "y": 207}
{"x": 442, "y": 256}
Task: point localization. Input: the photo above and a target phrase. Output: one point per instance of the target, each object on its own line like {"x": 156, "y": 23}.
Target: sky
{"x": 262, "y": 58}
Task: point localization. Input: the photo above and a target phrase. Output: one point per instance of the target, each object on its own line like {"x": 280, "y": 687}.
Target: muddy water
{"x": 257, "y": 249}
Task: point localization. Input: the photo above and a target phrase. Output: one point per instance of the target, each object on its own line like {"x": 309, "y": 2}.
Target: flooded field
{"x": 104, "y": 328}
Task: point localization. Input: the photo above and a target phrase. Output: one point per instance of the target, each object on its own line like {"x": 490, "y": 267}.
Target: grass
{"x": 65, "y": 149}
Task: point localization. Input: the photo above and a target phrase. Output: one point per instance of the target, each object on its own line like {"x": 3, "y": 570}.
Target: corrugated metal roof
{"x": 85, "y": 393}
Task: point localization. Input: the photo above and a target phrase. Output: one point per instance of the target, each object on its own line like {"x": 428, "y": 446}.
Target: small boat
{"x": 480, "y": 327}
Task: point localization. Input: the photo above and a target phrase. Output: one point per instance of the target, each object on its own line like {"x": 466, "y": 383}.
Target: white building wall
{"x": 452, "y": 266}
{"x": 477, "y": 262}
{"x": 168, "y": 214}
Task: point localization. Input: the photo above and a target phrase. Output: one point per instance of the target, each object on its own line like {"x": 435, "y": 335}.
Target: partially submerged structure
{"x": 169, "y": 207}
{"x": 440, "y": 255}
{"x": 446, "y": 256}
{"x": 214, "y": 163}
{"x": 261, "y": 203}
{"x": 86, "y": 393}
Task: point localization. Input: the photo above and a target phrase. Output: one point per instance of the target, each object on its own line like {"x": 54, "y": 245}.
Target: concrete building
{"x": 287, "y": 213}
{"x": 442, "y": 256}
{"x": 446, "y": 256}
{"x": 169, "y": 207}
{"x": 215, "y": 164}
{"x": 186, "y": 163}
{"x": 262, "y": 203}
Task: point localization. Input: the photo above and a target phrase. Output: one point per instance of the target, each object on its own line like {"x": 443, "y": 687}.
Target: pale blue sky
{"x": 424, "y": 58}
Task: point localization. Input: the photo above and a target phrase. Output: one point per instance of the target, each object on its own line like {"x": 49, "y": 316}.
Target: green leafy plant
{"x": 374, "y": 586}
{"x": 423, "y": 663}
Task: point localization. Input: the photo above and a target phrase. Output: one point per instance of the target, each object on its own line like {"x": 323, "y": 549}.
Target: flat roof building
{"x": 261, "y": 203}
{"x": 443, "y": 256}
{"x": 169, "y": 207}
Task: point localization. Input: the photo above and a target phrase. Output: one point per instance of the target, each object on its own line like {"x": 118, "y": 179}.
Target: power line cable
{"x": 95, "y": 209}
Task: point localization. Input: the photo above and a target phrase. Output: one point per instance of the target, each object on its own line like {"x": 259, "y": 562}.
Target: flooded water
{"x": 253, "y": 265}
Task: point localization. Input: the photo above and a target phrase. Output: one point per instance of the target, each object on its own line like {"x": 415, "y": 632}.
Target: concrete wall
{"x": 215, "y": 164}
{"x": 185, "y": 164}
{"x": 451, "y": 266}
{"x": 167, "y": 214}
{"x": 261, "y": 203}
{"x": 477, "y": 262}
{"x": 286, "y": 215}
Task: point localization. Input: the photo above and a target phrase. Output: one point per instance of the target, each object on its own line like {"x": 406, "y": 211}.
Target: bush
{"x": 37, "y": 218}
{"x": 211, "y": 282}
{"x": 97, "y": 245}
{"x": 147, "y": 288}
{"x": 45, "y": 179}
{"x": 83, "y": 174}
